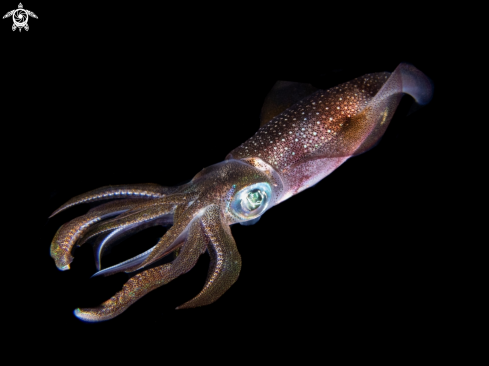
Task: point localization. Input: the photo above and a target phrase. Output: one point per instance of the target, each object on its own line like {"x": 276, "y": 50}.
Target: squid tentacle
{"x": 137, "y": 218}
{"x": 68, "y": 234}
{"x": 135, "y": 263}
{"x": 173, "y": 241}
{"x": 168, "y": 242}
{"x": 127, "y": 266}
{"x": 225, "y": 259}
{"x": 147, "y": 190}
{"x": 139, "y": 214}
{"x": 104, "y": 242}
{"x": 148, "y": 280}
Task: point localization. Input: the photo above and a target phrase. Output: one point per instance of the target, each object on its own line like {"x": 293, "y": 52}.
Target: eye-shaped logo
{"x": 20, "y": 17}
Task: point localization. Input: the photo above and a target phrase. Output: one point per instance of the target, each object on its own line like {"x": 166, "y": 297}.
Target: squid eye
{"x": 251, "y": 201}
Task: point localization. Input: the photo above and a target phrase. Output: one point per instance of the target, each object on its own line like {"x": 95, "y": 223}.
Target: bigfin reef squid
{"x": 304, "y": 135}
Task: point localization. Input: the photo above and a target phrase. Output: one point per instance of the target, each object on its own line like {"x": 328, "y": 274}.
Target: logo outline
{"x": 20, "y": 16}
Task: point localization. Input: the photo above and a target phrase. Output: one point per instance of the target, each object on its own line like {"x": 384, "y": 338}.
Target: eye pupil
{"x": 251, "y": 201}
{"x": 254, "y": 199}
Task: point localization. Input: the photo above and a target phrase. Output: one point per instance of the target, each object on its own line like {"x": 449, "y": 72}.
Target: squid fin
{"x": 283, "y": 95}
{"x": 360, "y": 132}
{"x": 405, "y": 79}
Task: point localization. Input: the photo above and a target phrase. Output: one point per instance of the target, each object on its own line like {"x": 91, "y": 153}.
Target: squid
{"x": 305, "y": 134}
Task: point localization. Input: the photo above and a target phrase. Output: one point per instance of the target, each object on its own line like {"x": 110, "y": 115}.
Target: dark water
{"x": 129, "y": 101}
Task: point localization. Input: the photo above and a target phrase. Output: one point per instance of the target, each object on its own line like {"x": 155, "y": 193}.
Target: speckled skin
{"x": 292, "y": 151}
{"x": 68, "y": 234}
{"x": 312, "y": 138}
{"x": 147, "y": 190}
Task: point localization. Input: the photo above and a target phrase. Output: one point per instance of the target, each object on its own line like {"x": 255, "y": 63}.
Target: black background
{"x": 101, "y": 94}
